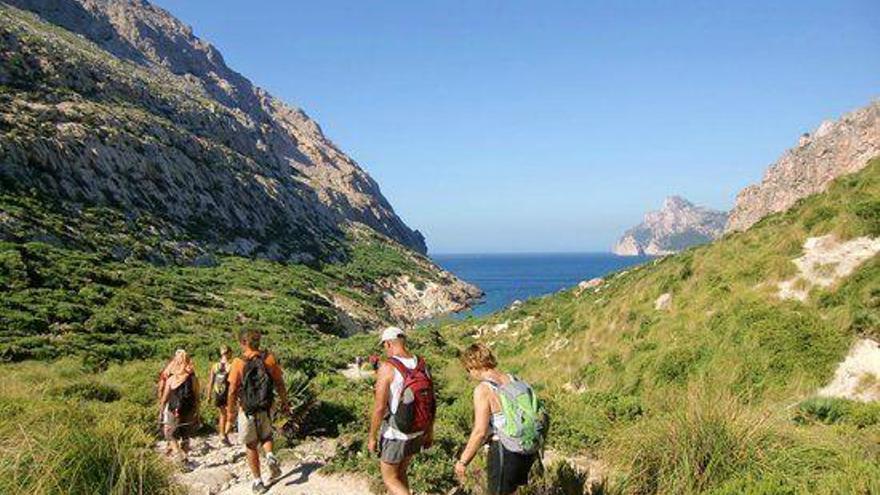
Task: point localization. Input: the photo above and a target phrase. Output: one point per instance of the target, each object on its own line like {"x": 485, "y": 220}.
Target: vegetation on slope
{"x": 109, "y": 304}
{"x": 714, "y": 395}
{"x": 707, "y": 396}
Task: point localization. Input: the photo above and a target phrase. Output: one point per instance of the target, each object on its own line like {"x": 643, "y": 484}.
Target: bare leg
{"x": 391, "y": 478}
{"x": 402, "y": 471}
{"x": 221, "y": 423}
{"x": 253, "y": 458}
{"x": 267, "y": 446}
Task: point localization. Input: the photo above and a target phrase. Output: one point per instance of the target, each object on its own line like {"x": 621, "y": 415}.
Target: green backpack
{"x": 525, "y": 419}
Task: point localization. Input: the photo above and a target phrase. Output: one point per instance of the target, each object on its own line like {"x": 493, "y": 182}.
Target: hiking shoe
{"x": 259, "y": 487}
{"x": 274, "y": 466}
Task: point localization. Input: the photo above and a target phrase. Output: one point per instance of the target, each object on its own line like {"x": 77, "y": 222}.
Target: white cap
{"x": 392, "y": 333}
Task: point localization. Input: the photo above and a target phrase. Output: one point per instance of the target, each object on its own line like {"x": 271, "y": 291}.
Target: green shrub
{"x": 832, "y": 410}
{"x": 89, "y": 391}
{"x": 558, "y": 479}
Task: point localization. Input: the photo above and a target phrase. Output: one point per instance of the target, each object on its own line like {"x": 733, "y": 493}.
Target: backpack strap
{"x": 404, "y": 371}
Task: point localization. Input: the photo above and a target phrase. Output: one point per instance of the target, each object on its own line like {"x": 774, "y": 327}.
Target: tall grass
{"x": 66, "y": 431}
{"x": 67, "y": 450}
{"x": 713, "y": 443}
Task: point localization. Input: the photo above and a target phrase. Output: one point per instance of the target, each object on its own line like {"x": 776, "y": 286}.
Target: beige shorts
{"x": 254, "y": 428}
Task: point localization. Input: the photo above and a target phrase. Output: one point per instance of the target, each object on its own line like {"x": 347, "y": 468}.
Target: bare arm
{"x": 278, "y": 378}
{"x": 384, "y": 377}
{"x": 232, "y": 397}
{"x": 160, "y": 389}
{"x": 482, "y": 416}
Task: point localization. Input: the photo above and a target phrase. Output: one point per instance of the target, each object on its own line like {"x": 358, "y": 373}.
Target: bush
{"x": 832, "y": 410}
{"x": 691, "y": 449}
{"x": 559, "y": 479}
{"x": 89, "y": 391}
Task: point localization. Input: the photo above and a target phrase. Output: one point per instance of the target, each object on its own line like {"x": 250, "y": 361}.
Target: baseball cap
{"x": 392, "y": 333}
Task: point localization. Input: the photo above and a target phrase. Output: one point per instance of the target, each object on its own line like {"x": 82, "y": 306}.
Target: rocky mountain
{"x": 678, "y": 225}
{"x": 834, "y": 149}
{"x": 118, "y": 103}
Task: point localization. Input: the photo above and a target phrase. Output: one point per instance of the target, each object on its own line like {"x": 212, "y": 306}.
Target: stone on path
{"x": 216, "y": 469}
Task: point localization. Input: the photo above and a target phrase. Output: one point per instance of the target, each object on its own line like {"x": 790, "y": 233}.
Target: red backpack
{"x": 417, "y": 404}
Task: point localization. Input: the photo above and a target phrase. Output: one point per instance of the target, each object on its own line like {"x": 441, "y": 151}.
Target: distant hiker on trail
{"x": 217, "y": 390}
{"x": 178, "y": 403}
{"x": 404, "y": 407}
{"x": 255, "y": 378}
{"x": 374, "y": 362}
{"x": 509, "y": 415}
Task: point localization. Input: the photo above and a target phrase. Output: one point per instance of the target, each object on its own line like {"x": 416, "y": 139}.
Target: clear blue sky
{"x": 502, "y": 126}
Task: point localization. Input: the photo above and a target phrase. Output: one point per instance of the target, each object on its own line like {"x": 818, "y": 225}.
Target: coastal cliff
{"x": 679, "y": 224}
{"x": 836, "y": 148}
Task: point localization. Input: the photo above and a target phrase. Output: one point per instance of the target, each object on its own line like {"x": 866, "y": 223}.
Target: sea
{"x": 509, "y": 277}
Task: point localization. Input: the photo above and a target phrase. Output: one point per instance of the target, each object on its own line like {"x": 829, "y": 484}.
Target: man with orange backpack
{"x": 402, "y": 422}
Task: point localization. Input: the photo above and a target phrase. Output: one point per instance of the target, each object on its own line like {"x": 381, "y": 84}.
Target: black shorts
{"x": 507, "y": 470}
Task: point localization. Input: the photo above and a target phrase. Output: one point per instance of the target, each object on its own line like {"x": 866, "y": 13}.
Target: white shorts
{"x": 253, "y": 428}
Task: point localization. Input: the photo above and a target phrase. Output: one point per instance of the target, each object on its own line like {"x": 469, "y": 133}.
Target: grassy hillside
{"x": 713, "y": 394}
{"x": 98, "y": 285}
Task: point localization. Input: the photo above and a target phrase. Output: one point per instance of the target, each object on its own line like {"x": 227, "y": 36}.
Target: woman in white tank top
{"x": 507, "y": 470}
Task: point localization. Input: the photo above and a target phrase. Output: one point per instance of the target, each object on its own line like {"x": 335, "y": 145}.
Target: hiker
{"x": 255, "y": 378}
{"x": 217, "y": 390}
{"x": 178, "y": 403}
{"x": 404, "y": 406}
{"x": 508, "y": 414}
{"x": 374, "y": 362}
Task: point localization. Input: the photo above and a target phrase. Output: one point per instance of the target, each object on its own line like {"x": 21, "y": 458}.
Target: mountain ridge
{"x": 835, "y": 148}
{"x": 678, "y": 224}
{"x": 308, "y": 185}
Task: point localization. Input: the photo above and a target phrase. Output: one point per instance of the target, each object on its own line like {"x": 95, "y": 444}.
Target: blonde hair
{"x": 225, "y": 349}
{"x": 478, "y": 357}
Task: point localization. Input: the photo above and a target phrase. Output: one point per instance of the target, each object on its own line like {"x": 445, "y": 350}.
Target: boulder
{"x": 664, "y": 302}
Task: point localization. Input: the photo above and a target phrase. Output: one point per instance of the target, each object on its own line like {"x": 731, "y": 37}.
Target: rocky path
{"x": 215, "y": 469}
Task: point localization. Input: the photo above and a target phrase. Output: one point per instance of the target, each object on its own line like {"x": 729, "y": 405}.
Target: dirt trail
{"x": 215, "y": 469}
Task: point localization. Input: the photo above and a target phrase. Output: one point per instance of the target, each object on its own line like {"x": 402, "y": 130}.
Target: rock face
{"x": 409, "y": 301}
{"x": 834, "y": 149}
{"x": 117, "y": 103}
{"x": 857, "y": 376}
{"x": 678, "y": 225}
{"x": 825, "y": 261}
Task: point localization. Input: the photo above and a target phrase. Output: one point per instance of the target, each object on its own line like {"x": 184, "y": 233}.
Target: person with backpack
{"x": 178, "y": 402}
{"x": 254, "y": 379}
{"x": 509, "y": 415}
{"x": 217, "y": 390}
{"x": 402, "y": 421}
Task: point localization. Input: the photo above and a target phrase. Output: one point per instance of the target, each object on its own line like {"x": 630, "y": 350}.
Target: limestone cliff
{"x": 836, "y": 148}
{"x": 117, "y": 103}
{"x": 678, "y": 225}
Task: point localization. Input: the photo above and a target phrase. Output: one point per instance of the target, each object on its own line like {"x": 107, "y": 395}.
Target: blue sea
{"x": 508, "y": 277}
